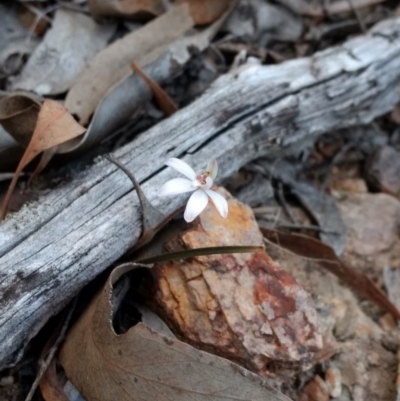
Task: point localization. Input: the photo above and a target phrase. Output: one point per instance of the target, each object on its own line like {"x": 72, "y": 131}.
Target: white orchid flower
{"x": 199, "y": 183}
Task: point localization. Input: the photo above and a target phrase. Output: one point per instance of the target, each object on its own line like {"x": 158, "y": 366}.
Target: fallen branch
{"x": 52, "y": 248}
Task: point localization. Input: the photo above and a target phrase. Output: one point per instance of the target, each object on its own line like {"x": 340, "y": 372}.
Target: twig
{"x": 151, "y": 216}
{"x": 282, "y": 200}
{"x": 310, "y": 227}
{"x": 39, "y": 14}
{"x": 44, "y": 363}
{"x": 333, "y": 162}
{"x": 357, "y": 14}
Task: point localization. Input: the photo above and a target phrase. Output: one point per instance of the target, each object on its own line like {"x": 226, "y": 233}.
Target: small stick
{"x": 357, "y": 14}
{"x": 152, "y": 219}
{"x": 44, "y": 363}
{"x": 285, "y": 206}
{"x": 151, "y": 216}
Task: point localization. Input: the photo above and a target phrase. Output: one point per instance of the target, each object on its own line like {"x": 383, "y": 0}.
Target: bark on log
{"x": 51, "y": 249}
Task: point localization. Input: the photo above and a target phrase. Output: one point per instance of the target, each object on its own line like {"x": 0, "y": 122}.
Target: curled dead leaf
{"x": 18, "y": 116}
{"x": 54, "y": 126}
{"x": 144, "y": 365}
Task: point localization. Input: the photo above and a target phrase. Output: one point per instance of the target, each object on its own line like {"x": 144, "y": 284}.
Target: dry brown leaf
{"x": 202, "y": 11}
{"x": 144, "y": 365}
{"x": 126, "y": 8}
{"x": 166, "y": 104}
{"x": 112, "y": 64}
{"x": 206, "y": 11}
{"x": 325, "y": 256}
{"x": 54, "y": 126}
{"x": 50, "y": 386}
{"x": 47, "y": 155}
{"x": 18, "y": 115}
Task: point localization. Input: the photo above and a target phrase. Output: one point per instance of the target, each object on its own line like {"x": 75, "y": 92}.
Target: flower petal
{"x": 212, "y": 168}
{"x": 182, "y": 167}
{"x": 209, "y": 183}
{"x": 176, "y": 186}
{"x": 219, "y": 201}
{"x": 196, "y": 204}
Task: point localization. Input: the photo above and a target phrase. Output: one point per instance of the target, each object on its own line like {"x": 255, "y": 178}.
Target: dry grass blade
{"x": 50, "y": 386}
{"x": 191, "y": 253}
{"x": 324, "y": 255}
{"x": 53, "y": 127}
{"x": 151, "y": 217}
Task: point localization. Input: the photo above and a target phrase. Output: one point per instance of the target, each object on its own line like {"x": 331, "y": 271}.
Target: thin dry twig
{"x": 285, "y": 206}
{"x": 335, "y": 160}
{"x": 45, "y": 362}
{"x": 358, "y": 16}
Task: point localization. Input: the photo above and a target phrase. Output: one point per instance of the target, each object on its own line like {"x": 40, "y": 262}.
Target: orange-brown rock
{"x": 241, "y": 306}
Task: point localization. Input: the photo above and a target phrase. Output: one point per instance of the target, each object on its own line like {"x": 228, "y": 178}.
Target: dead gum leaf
{"x": 206, "y": 11}
{"x": 202, "y": 11}
{"x": 54, "y": 126}
{"x": 127, "y": 8}
{"x": 18, "y": 116}
{"x": 111, "y": 65}
{"x": 144, "y": 365}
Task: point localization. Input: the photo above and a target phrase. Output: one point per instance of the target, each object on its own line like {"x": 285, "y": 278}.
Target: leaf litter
{"x": 67, "y": 48}
{"x": 187, "y": 290}
{"x": 54, "y": 126}
{"x": 15, "y": 41}
{"x": 113, "y": 63}
{"x": 142, "y": 364}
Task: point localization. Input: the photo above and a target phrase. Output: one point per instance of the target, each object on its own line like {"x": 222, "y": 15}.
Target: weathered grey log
{"x": 51, "y": 249}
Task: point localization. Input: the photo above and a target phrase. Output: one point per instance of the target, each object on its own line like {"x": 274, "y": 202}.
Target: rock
{"x": 241, "y": 306}
{"x": 372, "y": 222}
{"x": 383, "y": 170}
{"x": 368, "y": 369}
